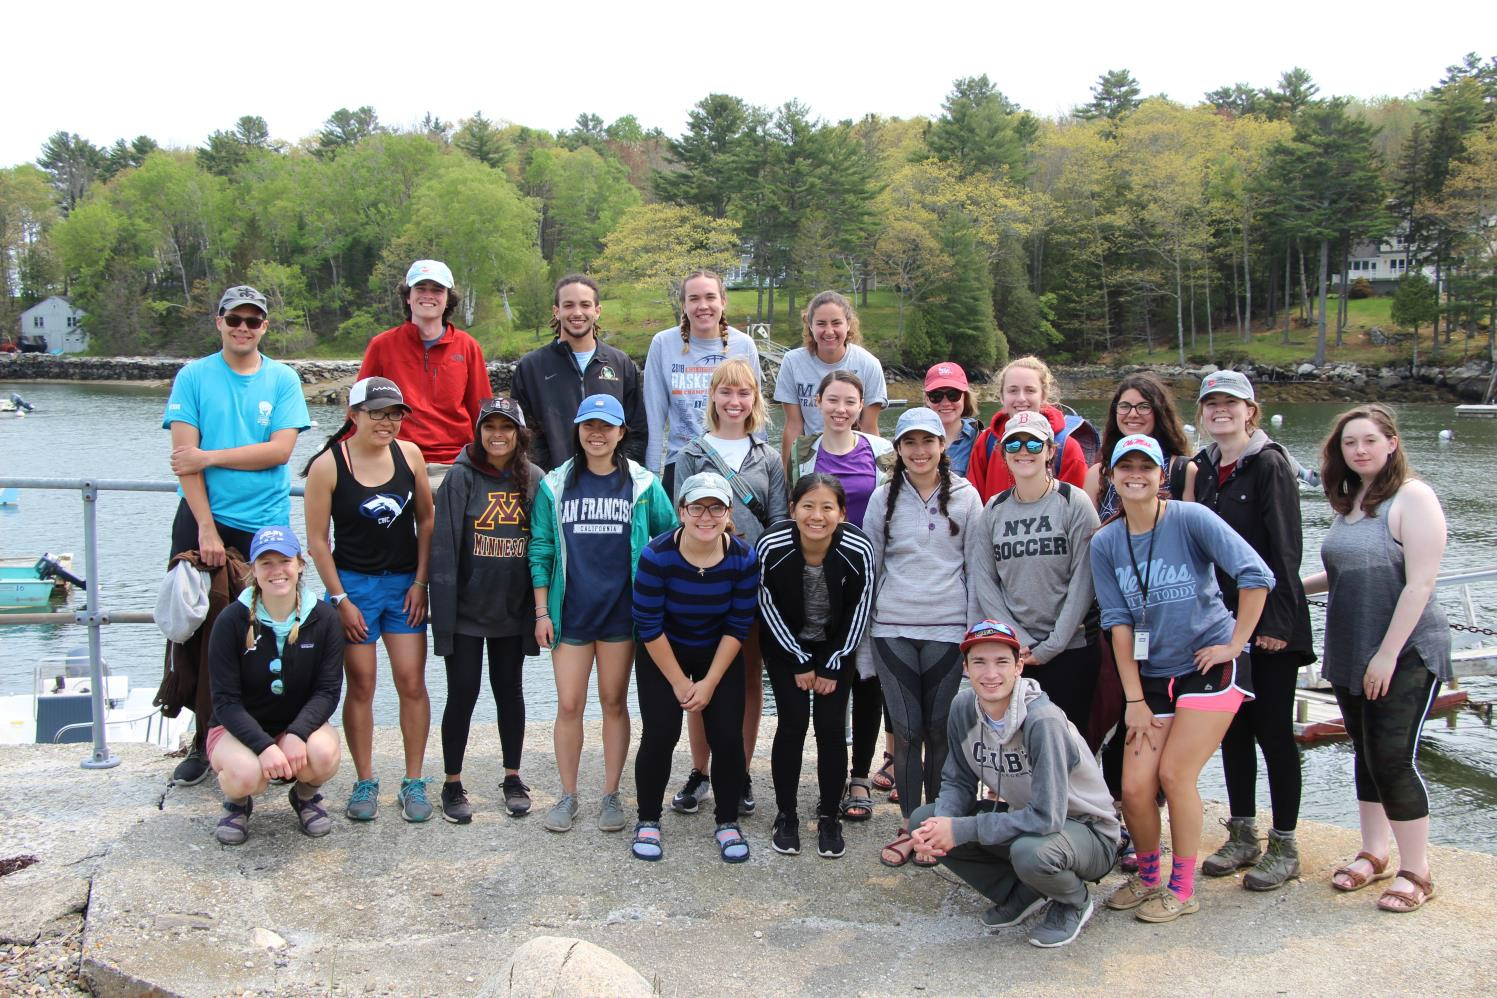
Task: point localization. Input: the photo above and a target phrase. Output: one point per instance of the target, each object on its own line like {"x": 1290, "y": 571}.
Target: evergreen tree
{"x": 1238, "y": 100}
{"x": 982, "y": 131}
{"x": 1295, "y": 91}
{"x": 72, "y": 162}
{"x": 1113, "y": 95}
{"x": 955, "y": 319}
{"x": 345, "y": 128}
{"x": 480, "y": 139}
{"x": 706, "y": 172}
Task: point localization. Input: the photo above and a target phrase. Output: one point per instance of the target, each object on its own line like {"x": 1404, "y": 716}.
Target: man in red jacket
{"x": 439, "y": 368}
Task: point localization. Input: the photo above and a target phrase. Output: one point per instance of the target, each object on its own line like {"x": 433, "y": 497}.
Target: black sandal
{"x": 855, "y": 808}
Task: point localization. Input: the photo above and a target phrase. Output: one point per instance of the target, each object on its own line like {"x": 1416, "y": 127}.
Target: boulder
{"x": 1305, "y": 370}
{"x": 560, "y": 967}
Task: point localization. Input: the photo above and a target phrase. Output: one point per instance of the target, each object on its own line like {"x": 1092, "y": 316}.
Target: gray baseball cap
{"x": 1232, "y": 383}
{"x": 242, "y": 294}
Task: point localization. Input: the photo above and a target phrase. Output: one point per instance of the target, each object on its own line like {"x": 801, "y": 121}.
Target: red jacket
{"x": 991, "y": 475}
{"x": 443, "y": 385}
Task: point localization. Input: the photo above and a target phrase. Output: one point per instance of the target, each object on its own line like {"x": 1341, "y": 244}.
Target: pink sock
{"x": 1183, "y": 876}
{"x": 1148, "y": 869}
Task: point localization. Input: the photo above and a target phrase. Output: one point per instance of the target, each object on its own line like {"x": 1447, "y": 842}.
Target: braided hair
{"x": 252, "y": 635}
{"x": 722, "y": 320}
{"x": 346, "y": 430}
{"x": 943, "y": 492}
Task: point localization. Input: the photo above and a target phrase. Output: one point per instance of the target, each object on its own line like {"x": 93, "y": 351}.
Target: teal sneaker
{"x": 363, "y": 803}
{"x": 412, "y": 798}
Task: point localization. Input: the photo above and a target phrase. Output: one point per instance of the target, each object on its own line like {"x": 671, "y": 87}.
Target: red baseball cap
{"x": 946, "y": 375}
{"x": 991, "y": 630}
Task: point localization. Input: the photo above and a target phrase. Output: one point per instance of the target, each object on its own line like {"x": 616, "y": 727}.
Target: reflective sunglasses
{"x": 1028, "y": 443}
{"x": 1142, "y": 408}
{"x": 945, "y": 395}
{"x": 699, "y": 510}
{"x": 991, "y": 628}
{"x": 276, "y": 686}
{"x": 247, "y": 321}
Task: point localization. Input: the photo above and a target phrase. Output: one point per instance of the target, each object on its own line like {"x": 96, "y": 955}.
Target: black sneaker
{"x": 516, "y": 796}
{"x": 786, "y": 835}
{"x": 192, "y": 770}
{"x": 693, "y": 794}
{"x": 455, "y": 806}
{"x": 829, "y": 844}
{"x": 746, "y": 804}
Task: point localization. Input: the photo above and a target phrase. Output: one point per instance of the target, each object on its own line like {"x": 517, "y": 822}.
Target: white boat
{"x": 1472, "y": 409}
{"x": 60, "y": 710}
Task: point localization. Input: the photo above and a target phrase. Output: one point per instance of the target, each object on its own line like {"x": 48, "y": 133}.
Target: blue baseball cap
{"x": 605, "y": 407}
{"x": 1141, "y": 443}
{"x": 919, "y": 419}
{"x": 281, "y": 540}
{"x": 429, "y": 270}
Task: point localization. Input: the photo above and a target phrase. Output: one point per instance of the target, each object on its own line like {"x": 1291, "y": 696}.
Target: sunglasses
{"x": 276, "y": 686}
{"x": 247, "y": 321}
{"x": 946, "y": 395}
{"x": 990, "y": 630}
{"x": 380, "y": 415}
{"x": 1030, "y": 444}
{"x": 1142, "y": 408}
{"x": 698, "y": 510}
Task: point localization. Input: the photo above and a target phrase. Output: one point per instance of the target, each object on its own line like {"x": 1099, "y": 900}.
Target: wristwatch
{"x": 337, "y": 598}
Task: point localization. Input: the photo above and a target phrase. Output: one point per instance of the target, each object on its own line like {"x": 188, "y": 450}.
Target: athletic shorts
{"x": 217, "y": 732}
{"x": 381, "y": 599}
{"x": 1222, "y": 688}
{"x": 569, "y": 640}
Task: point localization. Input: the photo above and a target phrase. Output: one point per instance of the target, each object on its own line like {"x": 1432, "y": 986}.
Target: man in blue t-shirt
{"x": 234, "y": 417}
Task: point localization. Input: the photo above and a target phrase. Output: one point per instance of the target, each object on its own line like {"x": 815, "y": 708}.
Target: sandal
{"x": 233, "y": 828}
{"x": 895, "y": 849}
{"x": 646, "y": 844}
{"x": 894, "y": 796}
{"x": 858, "y": 807}
{"x": 1361, "y": 880}
{"x": 731, "y": 843}
{"x": 1399, "y": 902}
{"x": 925, "y": 862}
{"x": 883, "y": 780}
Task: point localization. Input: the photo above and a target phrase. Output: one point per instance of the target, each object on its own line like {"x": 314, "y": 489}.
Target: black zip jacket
{"x": 849, "y": 583}
{"x": 549, "y": 388}
{"x": 1260, "y": 500}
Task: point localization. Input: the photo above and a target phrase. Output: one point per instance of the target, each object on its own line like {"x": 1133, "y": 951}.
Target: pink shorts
{"x": 217, "y": 732}
{"x": 1223, "y": 688}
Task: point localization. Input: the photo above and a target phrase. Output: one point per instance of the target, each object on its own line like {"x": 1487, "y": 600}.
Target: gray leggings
{"x": 919, "y": 680}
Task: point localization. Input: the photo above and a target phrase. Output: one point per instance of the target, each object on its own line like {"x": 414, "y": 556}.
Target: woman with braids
{"x": 831, "y": 338}
{"x": 275, "y": 661}
{"x": 480, "y": 594}
{"x": 924, "y": 527}
{"x": 679, "y": 368}
{"x": 369, "y": 523}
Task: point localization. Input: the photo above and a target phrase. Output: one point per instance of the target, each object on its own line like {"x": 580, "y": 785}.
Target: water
{"x": 112, "y": 431}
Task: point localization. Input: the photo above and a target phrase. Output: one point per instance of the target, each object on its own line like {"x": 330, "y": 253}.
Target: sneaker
{"x": 746, "y": 804}
{"x": 786, "y": 835}
{"x": 562, "y": 813}
{"x": 1240, "y": 849}
{"x": 1131, "y": 894}
{"x": 412, "y": 799}
{"x": 1280, "y": 862}
{"x": 1062, "y": 924}
{"x": 829, "y": 844}
{"x": 1164, "y": 906}
{"x": 233, "y": 828}
{"x": 192, "y": 770}
{"x": 516, "y": 796}
{"x": 694, "y": 793}
{"x": 312, "y": 815}
{"x": 455, "y": 806}
{"x": 1022, "y": 902}
{"x": 611, "y": 817}
{"x": 363, "y": 803}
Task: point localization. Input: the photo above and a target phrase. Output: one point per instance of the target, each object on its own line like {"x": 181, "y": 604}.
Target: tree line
{"x": 1131, "y": 219}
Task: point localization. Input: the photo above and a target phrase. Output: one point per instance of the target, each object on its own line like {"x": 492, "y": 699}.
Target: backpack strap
{"x": 1001, "y": 497}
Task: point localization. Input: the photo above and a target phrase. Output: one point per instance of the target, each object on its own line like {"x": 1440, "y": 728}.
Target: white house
{"x": 1382, "y": 262}
{"x": 57, "y": 323}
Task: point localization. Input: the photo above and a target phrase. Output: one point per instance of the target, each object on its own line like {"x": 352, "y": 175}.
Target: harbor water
{"x": 114, "y": 431}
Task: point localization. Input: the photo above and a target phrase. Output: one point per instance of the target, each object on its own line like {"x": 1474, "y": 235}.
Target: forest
{"x": 982, "y": 232}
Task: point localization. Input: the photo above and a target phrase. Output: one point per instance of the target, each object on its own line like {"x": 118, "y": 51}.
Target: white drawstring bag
{"x": 182, "y": 602}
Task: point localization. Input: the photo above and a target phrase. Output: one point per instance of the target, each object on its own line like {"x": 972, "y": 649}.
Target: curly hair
{"x": 581, "y": 279}
{"x": 453, "y": 297}
{"x": 1049, "y": 389}
{"x": 854, "y": 328}
{"x": 1341, "y": 483}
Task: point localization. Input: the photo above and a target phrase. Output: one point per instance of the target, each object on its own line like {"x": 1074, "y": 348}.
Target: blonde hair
{"x": 854, "y": 328}
{"x": 722, "y": 320}
{"x": 736, "y": 372}
{"x": 1048, "y": 388}
{"x": 253, "y": 634}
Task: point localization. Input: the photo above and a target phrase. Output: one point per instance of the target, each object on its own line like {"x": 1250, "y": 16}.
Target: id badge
{"x": 1140, "y": 646}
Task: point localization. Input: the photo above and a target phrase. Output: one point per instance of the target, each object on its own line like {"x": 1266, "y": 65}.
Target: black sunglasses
{"x": 247, "y": 321}
{"x": 945, "y": 395}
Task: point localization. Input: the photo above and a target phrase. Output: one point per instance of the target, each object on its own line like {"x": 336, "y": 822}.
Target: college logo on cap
{"x": 944, "y": 370}
{"x": 990, "y": 630}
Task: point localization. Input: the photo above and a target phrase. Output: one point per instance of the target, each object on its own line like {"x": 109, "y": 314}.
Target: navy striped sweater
{"x": 693, "y": 606}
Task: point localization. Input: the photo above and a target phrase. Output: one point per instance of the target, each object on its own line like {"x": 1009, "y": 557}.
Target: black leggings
{"x": 464, "y": 677}
{"x": 1070, "y": 681}
{"x": 1266, "y": 722}
{"x": 660, "y": 716}
{"x": 797, "y": 710}
{"x": 1385, "y": 734}
{"x": 920, "y": 679}
{"x": 867, "y": 719}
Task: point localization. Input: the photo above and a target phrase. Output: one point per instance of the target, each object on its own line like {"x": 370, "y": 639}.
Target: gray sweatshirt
{"x": 761, "y": 471}
{"x": 676, "y": 378}
{"x": 1040, "y": 766}
{"x": 1035, "y": 572}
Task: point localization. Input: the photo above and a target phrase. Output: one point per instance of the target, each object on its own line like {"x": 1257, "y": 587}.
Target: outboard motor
{"x": 48, "y": 567}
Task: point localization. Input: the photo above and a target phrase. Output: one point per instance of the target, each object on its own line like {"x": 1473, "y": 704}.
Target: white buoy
{"x": 315, "y": 423}
{"x": 1276, "y": 419}
{"x": 1447, "y": 435}
{"x": 1189, "y": 428}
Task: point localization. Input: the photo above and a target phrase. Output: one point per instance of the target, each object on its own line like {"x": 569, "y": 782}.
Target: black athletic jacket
{"x": 549, "y": 388}
{"x": 849, "y": 584}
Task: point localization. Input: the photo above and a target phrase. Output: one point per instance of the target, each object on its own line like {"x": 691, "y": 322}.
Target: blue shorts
{"x": 381, "y": 599}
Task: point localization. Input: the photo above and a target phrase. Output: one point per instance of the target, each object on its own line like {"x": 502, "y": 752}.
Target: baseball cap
{"x": 376, "y": 393}
{"x": 1232, "y": 383}
{"x": 508, "y": 408}
{"x": 1145, "y": 445}
{"x": 946, "y": 375}
{"x": 991, "y": 630}
{"x": 1030, "y": 424}
{"x": 919, "y": 418}
{"x": 242, "y": 294}
{"x": 604, "y": 407}
{"x": 281, "y": 540}
{"x": 706, "y": 485}
{"x": 429, "y": 270}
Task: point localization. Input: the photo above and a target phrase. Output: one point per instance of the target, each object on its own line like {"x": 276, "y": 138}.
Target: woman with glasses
{"x": 1142, "y": 405}
{"x": 947, "y": 393}
{"x": 369, "y": 525}
{"x": 275, "y": 661}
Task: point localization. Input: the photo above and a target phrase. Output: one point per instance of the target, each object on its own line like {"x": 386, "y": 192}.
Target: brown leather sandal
{"x": 1361, "y": 880}
{"x": 1399, "y": 902}
{"x": 896, "y": 849}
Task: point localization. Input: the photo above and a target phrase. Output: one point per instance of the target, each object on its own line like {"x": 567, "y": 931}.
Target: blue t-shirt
{"x": 596, "y": 515}
{"x": 694, "y": 606}
{"x": 1185, "y": 611}
{"x": 235, "y": 410}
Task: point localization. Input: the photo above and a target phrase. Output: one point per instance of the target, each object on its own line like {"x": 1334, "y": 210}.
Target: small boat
{"x": 61, "y": 711}
{"x": 23, "y": 587}
{"x": 1471, "y": 409}
{"x": 15, "y": 406}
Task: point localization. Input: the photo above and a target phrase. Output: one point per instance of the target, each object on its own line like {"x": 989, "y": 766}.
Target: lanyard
{"x": 1143, "y": 580}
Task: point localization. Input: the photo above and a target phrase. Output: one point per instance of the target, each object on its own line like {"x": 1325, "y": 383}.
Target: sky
{"x": 177, "y": 71}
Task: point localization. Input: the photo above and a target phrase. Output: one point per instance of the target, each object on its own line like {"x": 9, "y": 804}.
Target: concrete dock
{"x": 131, "y": 895}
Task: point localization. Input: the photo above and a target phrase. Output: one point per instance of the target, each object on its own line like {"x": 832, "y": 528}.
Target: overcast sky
{"x": 177, "y": 71}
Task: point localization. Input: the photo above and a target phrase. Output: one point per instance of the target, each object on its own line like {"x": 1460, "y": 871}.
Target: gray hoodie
{"x": 761, "y": 471}
{"x": 1040, "y": 766}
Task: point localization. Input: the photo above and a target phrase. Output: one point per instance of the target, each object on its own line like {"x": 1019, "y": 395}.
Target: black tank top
{"x": 374, "y": 528}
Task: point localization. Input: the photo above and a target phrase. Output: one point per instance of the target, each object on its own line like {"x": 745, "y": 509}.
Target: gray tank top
{"x": 1365, "y": 568}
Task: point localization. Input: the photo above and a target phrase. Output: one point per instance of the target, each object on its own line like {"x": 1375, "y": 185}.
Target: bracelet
{"x": 543, "y": 615}
{"x": 420, "y": 582}
{"x": 1139, "y": 700}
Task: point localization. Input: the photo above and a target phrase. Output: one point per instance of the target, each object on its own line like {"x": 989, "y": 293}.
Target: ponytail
{"x": 345, "y": 430}
{"x": 943, "y": 472}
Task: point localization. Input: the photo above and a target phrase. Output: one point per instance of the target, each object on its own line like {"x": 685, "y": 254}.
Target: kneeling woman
{"x": 1180, "y": 657}
{"x": 694, "y": 598}
{"x": 275, "y": 660}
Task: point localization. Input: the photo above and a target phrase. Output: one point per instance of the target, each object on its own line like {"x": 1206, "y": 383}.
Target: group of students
{"x": 1152, "y": 593}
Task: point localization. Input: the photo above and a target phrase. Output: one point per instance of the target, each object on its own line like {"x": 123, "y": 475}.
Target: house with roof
{"x": 54, "y": 326}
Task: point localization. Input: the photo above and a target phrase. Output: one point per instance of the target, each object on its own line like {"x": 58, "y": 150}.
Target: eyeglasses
{"x": 698, "y": 510}
{"x": 1142, "y": 408}
{"x": 1029, "y": 443}
{"x": 380, "y": 415}
{"x": 276, "y": 686}
{"x": 247, "y": 321}
{"x": 945, "y": 395}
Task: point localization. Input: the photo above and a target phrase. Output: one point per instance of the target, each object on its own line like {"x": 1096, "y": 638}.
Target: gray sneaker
{"x": 412, "y": 799}
{"x": 1280, "y": 862}
{"x": 363, "y": 803}
{"x": 1062, "y": 923}
{"x": 611, "y": 818}
{"x": 1240, "y": 849}
{"x": 1022, "y": 902}
{"x": 562, "y": 814}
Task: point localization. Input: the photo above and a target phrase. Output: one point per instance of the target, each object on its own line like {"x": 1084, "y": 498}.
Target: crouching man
{"x": 1052, "y": 828}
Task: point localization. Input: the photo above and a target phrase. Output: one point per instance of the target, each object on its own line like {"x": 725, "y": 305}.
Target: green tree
{"x": 956, "y": 313}
{"x": 655, "y": 245}
{"x": 1414, "y": 302}
{"x": 980, "y": 130}
{"x": 1295, "y": 92}
{"x": 72, "y": 162}
{"x": 704, "y": 171}
{"x": 345, "y": 128}
{"x": 1237, "y": 100}
{"x": 479, "y": 138}
{"x": 583, "y": 195}
{"x": 27, "y": 214}
{"x": 1113, "y": 95}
